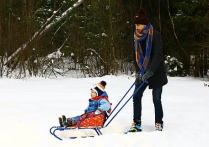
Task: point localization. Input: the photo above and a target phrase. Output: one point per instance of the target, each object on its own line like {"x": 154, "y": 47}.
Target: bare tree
{"x": 49, "y": 24}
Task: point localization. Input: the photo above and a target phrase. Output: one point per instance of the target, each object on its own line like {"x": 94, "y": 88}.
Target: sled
{"x": 97, "y": 129}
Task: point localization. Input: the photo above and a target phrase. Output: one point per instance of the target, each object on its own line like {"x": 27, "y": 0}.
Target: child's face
{"x": 93, "y": 93}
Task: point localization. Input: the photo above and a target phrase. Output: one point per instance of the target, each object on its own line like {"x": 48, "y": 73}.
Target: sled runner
{"x": 96, "y": 127}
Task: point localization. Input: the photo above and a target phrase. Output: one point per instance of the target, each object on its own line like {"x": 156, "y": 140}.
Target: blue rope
{"x": 126, "y": 101}
{"x": 120, "y": 100}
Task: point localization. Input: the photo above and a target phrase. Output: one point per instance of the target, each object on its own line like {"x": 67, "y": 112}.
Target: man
{"x": 149, "y": 65}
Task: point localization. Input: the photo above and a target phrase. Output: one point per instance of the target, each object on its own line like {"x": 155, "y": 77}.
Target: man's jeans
{"x": 156, "y": 93}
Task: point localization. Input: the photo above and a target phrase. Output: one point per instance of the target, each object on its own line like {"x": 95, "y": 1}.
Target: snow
{"x": 56, "y": 54}
{"x": 29, "y": 107}
{"x": 104, "y": 34}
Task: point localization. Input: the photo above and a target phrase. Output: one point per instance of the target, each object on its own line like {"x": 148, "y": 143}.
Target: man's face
{"x": 140, "y": 27}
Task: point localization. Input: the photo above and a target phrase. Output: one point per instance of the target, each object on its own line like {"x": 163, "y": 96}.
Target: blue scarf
{"x": 143, "y": 62}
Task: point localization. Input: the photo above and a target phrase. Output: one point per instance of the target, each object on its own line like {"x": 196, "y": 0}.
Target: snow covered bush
{"x": 174, "y": 67}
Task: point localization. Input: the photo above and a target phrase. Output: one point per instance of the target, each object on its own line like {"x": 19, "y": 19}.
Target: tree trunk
{"x": 197, "y": 65}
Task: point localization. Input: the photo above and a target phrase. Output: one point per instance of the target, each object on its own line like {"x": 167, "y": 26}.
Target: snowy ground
{"x": 28, "y": 108}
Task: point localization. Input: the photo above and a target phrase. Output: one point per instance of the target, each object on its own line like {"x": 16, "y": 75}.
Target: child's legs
{"x": 95, "y": 121}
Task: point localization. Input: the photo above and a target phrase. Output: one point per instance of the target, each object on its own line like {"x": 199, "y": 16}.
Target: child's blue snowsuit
{"x": 101, "y": 104}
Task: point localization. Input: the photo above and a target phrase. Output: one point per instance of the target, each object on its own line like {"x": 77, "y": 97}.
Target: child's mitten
{"x": 98, "y": 111}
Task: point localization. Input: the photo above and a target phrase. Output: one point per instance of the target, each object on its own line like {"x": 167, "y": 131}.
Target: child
{"x": 98, "y": 103}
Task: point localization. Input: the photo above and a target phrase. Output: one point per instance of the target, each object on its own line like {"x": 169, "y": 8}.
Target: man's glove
{"x": 138, "y": 80}
{"x": 147, "y": 74}
{"x": 98, "y": 111}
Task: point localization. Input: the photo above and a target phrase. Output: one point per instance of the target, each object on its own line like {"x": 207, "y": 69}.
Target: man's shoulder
{"x": 156, "y": 34}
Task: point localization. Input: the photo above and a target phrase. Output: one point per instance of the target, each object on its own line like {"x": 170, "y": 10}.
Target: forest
{"x": 95, "y": 37}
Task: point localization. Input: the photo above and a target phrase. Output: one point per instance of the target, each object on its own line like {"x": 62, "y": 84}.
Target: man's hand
{"x": 147, "y": 75}
{"x": 138, "y": 80}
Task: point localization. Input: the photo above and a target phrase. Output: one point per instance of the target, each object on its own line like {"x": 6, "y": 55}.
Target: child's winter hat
{"x": 141, "y": 17}
{"x": 99, "y": 88}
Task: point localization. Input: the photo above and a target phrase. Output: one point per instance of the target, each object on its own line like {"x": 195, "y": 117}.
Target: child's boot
{"x": 70, "y": 122}
{"x": 63, "y": 118}
{"x": 60, "y": 122}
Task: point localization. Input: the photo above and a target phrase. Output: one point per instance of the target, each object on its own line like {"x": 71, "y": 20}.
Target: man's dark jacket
{"x": 157, "y": 65}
